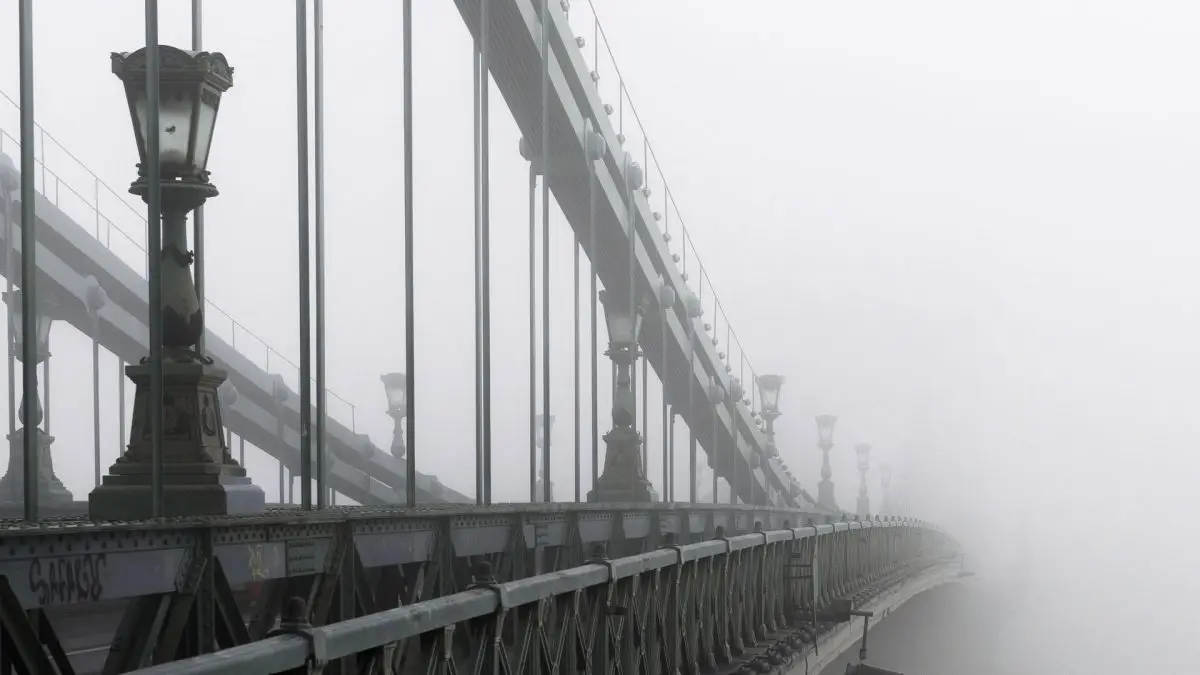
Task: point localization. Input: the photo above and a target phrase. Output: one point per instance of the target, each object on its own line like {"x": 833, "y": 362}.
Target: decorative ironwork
{"x": 722, "y": 602}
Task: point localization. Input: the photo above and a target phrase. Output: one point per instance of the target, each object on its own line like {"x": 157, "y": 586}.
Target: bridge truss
{"x": 631, "y": 590}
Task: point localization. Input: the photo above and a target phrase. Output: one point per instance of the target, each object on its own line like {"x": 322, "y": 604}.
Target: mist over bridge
{"x": 177, "y": 552}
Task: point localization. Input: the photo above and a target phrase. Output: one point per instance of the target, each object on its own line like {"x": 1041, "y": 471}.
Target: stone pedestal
{"x": 52, "y": 494}
{"x": 200, "y": 478}
{"x": 825, "y": 495}
{"x": 622, "y": 479}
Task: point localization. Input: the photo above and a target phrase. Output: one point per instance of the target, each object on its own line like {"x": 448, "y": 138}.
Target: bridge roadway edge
{"x": 848, "y": 636}
{"x": 734, "y": 601}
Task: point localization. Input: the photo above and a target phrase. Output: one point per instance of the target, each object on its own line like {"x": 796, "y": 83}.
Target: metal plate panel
{"x": 393, "y": 548}
{"x": 548, "y": 533}
{"x": 479, "y": 540}
{"x": 246, "y": 563}
{"x": 592, "y": 530}
{"x": 636, "y": 525}
{"x": 668, "y": 522}
{"x": 89, "y": 577}
{"x": 306, "y": 556}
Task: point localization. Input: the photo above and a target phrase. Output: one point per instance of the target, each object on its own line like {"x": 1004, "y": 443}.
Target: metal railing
{"x": 112, "y": 219}
{"x": 674, "y": 610}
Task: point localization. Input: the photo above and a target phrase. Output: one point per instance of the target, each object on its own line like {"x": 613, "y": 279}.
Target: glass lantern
{"x": 395, "y": 386}
{"x": 624, "y": 323}
{"x": 190, "y": 88}
{"x": 825, "y": 424}
{"x": 768, "y": 387}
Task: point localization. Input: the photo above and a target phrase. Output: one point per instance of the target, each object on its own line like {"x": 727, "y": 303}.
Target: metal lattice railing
{"x": 678, "y": 609}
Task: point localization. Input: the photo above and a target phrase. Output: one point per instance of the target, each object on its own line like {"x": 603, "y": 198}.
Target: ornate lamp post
{"x": 825, "y": 424}
{"x": 50, "y": 491}
{"x": 769, "y": 387}
{"x": 622, "y": 479}
{"x": 864, "y": 463}
{"x": 199, "y": 475}
{"x": 395, "y": 385}
{"x": 885, "y": 480}
{"x": 540, "y": 441}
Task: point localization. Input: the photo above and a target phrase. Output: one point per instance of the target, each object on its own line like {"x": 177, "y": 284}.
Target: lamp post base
{"x": 622, "y": 480}
{"x": 825, "y": 495}
{"x": 864, "y": 508}
{"x": 200, "y": 478}
{"x": 52, "y": 494}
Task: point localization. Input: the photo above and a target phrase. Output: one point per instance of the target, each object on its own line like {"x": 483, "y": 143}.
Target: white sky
{"x": 967, "y": 228}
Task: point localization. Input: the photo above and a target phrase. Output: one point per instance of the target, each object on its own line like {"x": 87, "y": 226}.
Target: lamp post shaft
{"x": 825, "y": 496}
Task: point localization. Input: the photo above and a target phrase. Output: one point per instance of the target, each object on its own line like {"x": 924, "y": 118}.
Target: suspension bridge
{"x": 388, "y": 568}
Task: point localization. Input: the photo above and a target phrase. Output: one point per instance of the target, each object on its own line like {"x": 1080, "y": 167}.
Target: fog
{"x": 967, "y": 229}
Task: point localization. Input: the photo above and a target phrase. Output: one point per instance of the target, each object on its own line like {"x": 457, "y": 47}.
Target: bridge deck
{"x": 146, "y": 557}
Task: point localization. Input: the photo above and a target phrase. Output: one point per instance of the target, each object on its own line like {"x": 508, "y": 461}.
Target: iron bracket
{"x": 498, "y": 589}
{"x": 316, "y": 644}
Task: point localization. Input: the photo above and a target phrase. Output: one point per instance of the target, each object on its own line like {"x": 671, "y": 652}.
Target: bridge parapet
{"x": 355, "y": 562}
{"x": 675, "y": 608}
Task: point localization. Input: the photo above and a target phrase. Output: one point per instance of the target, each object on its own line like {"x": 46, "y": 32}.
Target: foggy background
{"x": 967, "y": 229}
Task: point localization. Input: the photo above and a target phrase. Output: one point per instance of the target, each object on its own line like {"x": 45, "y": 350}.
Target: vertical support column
{"x": 319, "y": 189}
{"x": 304, "y": 263}
{"x": 545, "y": 35}
{"x": 595, "y": 151}
{"x": 410, "y": 365}
{"x": 10, "y": 181}
{"x": 477, "y": 81}
{"x": 575, "y": 369}
{"x": 485, "y": 187}
{"x": 95, "y": 298}
{"x": 46, "y": 388}
{"x": 533, "y": 172}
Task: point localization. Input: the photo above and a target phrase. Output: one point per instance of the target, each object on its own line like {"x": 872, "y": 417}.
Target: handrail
{"x": 319, "y": 645}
